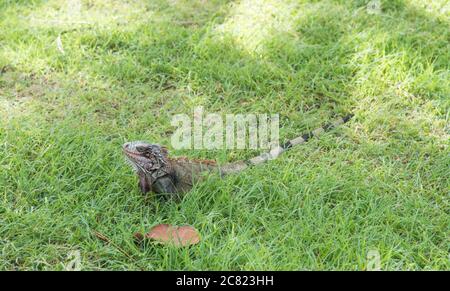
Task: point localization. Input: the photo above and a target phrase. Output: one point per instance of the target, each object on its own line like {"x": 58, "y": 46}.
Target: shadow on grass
{"x": 310, "y": 61}
{"x": 326, "y": 59}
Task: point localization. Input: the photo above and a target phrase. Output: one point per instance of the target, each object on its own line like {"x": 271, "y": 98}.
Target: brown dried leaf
{"x": 179, "y": 236}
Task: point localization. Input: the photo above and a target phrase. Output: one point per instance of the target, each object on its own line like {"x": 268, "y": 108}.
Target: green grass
{"x": 381, "y": 182}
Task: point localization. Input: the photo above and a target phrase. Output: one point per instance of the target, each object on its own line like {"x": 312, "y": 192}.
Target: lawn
{"x": 77, "y": 81}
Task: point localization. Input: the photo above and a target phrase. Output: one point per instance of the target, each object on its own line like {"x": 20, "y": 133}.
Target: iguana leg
{"x": 165, "y": 185}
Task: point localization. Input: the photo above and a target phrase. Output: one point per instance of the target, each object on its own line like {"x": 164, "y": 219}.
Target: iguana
{"x": 162, "y": 174}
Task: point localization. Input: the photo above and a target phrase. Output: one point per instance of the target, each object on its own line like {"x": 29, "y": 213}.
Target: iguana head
{"x": 145, "y": 158}
{"x": 152, "y": 165}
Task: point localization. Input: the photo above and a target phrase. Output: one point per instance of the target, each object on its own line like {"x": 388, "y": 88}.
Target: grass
{"x": 381, "y": 182}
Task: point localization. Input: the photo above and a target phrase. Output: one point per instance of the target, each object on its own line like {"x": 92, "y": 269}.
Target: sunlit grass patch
{"x": 251, "y": 22}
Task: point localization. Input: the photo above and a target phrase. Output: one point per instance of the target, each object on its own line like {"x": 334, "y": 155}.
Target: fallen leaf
{"x": 179, "y": 236}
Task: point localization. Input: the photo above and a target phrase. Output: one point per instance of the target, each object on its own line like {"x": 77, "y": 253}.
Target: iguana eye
{"x": 141, "y": 149}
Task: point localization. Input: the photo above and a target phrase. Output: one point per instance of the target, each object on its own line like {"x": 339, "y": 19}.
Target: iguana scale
{"x": 162, "y": 174}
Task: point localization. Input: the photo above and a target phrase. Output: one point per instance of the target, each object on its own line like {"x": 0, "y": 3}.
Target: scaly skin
{"x": 161, "y": 174}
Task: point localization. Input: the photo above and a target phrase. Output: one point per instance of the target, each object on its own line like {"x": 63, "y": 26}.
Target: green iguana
{"x": 162, "y": 174}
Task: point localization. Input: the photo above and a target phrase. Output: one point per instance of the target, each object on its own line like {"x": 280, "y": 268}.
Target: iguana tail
{"x": 275, "y": 152}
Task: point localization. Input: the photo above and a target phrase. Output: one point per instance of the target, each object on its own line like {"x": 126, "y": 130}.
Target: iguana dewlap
{"x": 162, "y": 174}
